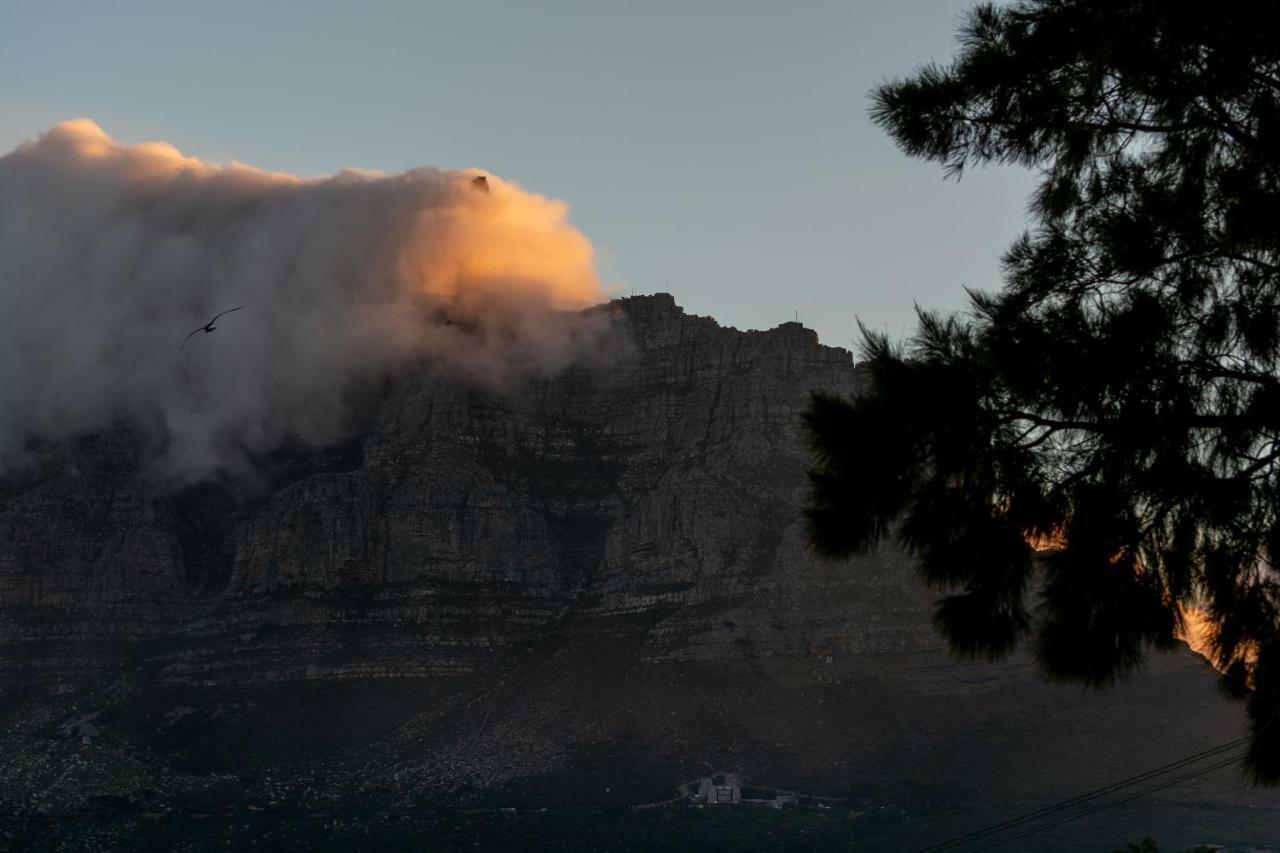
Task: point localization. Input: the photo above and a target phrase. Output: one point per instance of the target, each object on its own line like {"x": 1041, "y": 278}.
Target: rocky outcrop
{"x": 580, "y": 590}
{"x": 657, "y": 491}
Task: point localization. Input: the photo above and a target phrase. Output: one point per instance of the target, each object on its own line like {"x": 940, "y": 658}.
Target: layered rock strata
{"x": 657, "y": 491}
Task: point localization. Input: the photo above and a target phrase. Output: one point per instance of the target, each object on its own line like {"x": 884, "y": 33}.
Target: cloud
{"x": 110, "y": 254}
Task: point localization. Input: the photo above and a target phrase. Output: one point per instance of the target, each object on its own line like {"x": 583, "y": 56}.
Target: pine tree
{"x": 1089, "y": 457}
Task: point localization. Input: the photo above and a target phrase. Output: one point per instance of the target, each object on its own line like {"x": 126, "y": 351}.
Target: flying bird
{"x": 209, "y": 327}
{"x": 480, "y": 183}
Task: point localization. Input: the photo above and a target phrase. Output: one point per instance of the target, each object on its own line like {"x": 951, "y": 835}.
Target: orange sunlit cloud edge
{"x": 343, "y": 278}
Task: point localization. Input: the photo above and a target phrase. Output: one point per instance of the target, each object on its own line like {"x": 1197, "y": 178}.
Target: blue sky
{"x": 718, "y": 150}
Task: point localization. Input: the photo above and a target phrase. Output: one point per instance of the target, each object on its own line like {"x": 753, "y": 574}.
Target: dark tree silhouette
{"x": 1116, "y": 405}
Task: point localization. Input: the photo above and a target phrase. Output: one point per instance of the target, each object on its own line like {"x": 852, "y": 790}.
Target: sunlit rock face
{"x": 655, "y": 495}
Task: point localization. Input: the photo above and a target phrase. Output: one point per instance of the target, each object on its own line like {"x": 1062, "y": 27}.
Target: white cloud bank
{"x": 110, "y": 254}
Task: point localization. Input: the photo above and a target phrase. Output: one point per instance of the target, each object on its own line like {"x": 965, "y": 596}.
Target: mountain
{"x": 570, "y": 593}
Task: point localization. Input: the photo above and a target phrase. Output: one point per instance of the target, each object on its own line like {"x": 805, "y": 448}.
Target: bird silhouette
{"x": 209, "y": 327}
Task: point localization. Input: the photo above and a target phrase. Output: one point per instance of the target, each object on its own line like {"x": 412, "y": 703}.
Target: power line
{"x": 1083, "y": 798}
{"x": 1104, "y": 806}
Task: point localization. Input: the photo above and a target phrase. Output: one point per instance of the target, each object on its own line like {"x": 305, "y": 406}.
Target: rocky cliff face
{"x": 660, "y": 490}
{"x": 585, "y": 589}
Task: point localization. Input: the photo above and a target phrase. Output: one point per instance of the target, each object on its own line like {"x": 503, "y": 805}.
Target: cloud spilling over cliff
{"x": 111, "y": 254}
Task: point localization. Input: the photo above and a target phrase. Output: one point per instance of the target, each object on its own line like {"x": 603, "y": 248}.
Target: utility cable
{"x": 1084, "y": 798}
{"x": 1112, "y": 804}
